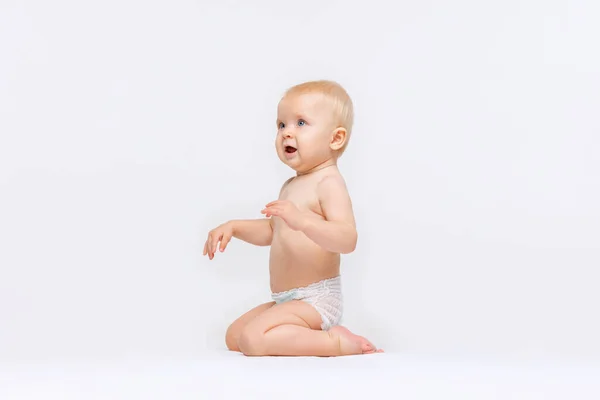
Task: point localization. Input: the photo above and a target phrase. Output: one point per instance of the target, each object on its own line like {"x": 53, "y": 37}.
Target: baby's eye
{"x": 281, "y": 125}
{"x": 301, "y": 122}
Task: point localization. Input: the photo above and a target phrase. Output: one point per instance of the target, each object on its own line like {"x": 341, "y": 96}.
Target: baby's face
{"x": 305, "y": 125}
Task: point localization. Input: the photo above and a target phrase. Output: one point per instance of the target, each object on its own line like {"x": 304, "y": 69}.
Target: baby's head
{"x": 314, "y": 123}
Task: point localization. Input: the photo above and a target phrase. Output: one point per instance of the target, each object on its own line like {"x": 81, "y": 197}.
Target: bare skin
{"x": 235, "y": 329}
{"x": 307, "y": 227}
{"x": 293, "y": 329}
{"x": 317, "y": 202}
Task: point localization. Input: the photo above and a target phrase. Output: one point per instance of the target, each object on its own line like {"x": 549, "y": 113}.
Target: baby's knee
{"x": 251, "y": 342}
{"x": 231, "y": 338}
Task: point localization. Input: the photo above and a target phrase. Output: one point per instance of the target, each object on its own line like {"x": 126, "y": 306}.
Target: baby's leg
{"x": 235, "y": 329}
{"x": 293, "y": 328}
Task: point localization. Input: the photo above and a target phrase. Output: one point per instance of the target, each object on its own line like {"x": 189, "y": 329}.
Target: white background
{"x": 129, "y": 129}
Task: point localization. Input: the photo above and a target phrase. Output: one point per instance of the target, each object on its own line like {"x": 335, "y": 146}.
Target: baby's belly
{"x": 296, "y": 261}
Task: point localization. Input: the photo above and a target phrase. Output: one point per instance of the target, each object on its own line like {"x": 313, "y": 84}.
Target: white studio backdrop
{"x": 129, "y": 129}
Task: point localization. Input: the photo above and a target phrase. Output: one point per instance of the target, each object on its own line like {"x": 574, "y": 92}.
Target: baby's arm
{"x": 253, "y": 231}
{"x": 337, "y": 233}
{"x": 258, "y": 232}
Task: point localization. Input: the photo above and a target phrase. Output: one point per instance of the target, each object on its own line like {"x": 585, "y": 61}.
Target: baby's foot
{"x": 352, "y": 344}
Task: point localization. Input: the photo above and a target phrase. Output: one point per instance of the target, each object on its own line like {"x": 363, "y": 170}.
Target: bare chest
{"x": 303, "y": 194}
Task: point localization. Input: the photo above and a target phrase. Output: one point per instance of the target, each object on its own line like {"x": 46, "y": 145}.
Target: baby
{"x": 308, "y": 227}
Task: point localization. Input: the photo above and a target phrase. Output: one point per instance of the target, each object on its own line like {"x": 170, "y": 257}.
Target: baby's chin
{"x": 296, "y": 166}
{"x": 294, "y": 163}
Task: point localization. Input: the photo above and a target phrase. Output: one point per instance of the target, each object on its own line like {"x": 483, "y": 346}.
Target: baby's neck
{"x": 326, "y": 164}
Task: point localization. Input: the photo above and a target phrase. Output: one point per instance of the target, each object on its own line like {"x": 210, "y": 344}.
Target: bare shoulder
{"x": 333, "y": 183}
{"x": 285, "y": 184}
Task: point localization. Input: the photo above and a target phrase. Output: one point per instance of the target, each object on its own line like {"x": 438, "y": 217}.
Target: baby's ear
{"x": 338, "y": 139}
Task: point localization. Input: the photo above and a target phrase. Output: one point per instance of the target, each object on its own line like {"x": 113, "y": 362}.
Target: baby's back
{"x": 295, "y": 259}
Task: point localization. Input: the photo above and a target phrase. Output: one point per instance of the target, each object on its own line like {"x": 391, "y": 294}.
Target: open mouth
{"x": 290, "y": 149}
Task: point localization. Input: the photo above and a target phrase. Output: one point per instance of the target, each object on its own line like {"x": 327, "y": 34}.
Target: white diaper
{"x": 325, "y": 296}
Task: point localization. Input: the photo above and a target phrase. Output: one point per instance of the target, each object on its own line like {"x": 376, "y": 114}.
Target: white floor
{"x": 225, "y": 375}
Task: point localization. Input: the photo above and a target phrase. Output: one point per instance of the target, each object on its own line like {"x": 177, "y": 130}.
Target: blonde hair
{"x": 339, "y": 98}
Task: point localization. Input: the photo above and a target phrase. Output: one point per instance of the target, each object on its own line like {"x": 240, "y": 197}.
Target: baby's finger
{"x": 275, "y": 203}
{"x": 224, "y": 242}
{"x": 216, "y": 241}
{"x": 210, "y": 245}
{"x": 267, "y": 210}
{"x": 274, "y": 211}
{"x": 205, "y": 250}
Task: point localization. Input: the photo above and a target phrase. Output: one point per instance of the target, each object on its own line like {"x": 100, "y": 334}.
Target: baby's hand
{"x": 287, "y": 211}
{"x": 221, "y": 233}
